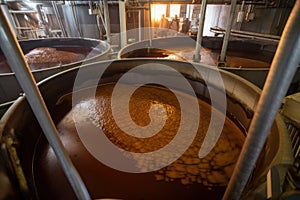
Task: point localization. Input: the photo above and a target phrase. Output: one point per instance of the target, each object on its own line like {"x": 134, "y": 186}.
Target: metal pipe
{"x": 16, "y": 60}
{"x": 107, "y": 20}
{"x": 283, "y": 68}
{"x": 38, "y": 8}
{"x": 227, "y": 34}
{"x": 249, "y": 13}
{"x": 254, "y": 37}
{"x": 197, "y": 56}
{"x": 99, "y": 25}
{"x": 122, "y": 16}
{"x": 100, "y": 16}
{"x": 241, "y": 15}
{"x": 64, "y": 33}
{"x": 140, "y": 25}
{"x": 247, "y": 34}
{"x": 150, "y": 24}
{"x": 257, "y": 34}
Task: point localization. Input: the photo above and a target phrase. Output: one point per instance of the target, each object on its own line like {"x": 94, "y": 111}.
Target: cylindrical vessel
{"x": 248, "y": 58}
{"x": 91, "y": 50}
{"x": 19, "y": 126}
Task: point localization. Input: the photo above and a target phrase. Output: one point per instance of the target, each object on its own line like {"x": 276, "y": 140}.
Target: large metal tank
{"x": 21, "y": 135}
{"x": 248, "y": 58}
{"x": 92, "y": 50}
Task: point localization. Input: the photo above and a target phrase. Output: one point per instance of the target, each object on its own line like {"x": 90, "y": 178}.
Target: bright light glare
{"x": 157, "y": 10}
{"x": 174, "y": 10}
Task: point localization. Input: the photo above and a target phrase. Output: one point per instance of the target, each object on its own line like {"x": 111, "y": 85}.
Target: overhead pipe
{"x": 283, "y": 68}
{"x": 253, "y": 37}
{"x": 221, "y": 61}
{"x": 13, "y": 53}
{"x": 247, "y": 34}
{"x": 197, "y": 56}
{"x": 275, "y": 37}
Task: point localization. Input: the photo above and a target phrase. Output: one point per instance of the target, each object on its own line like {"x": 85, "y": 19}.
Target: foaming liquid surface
{"x": 48, "y": 57}
{"x": 189, "y": 177}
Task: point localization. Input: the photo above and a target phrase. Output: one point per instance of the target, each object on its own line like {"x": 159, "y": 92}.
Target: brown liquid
{"x": 51, "y": 58}
{"x": 208, "y": 57}
{"x": 187, "y": 178}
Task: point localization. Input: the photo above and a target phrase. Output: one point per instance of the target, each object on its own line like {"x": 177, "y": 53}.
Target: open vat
{"x": 20, "y": 126}
{"x": 248, "y": 58}
{"x": 90, "y": 50}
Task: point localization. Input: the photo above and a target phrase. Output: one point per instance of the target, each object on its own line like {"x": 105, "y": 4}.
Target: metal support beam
{"x": 197, "y": 56}
{"x": 123, "y": 34}
{"x": 13, "y": 53}
{"x": 107, "y": 20}
{"x": 150, "y": 23}
{"x": 282, "y": 70}
{"x": 140, "y": 24}
{"x": 227, "y": 34}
